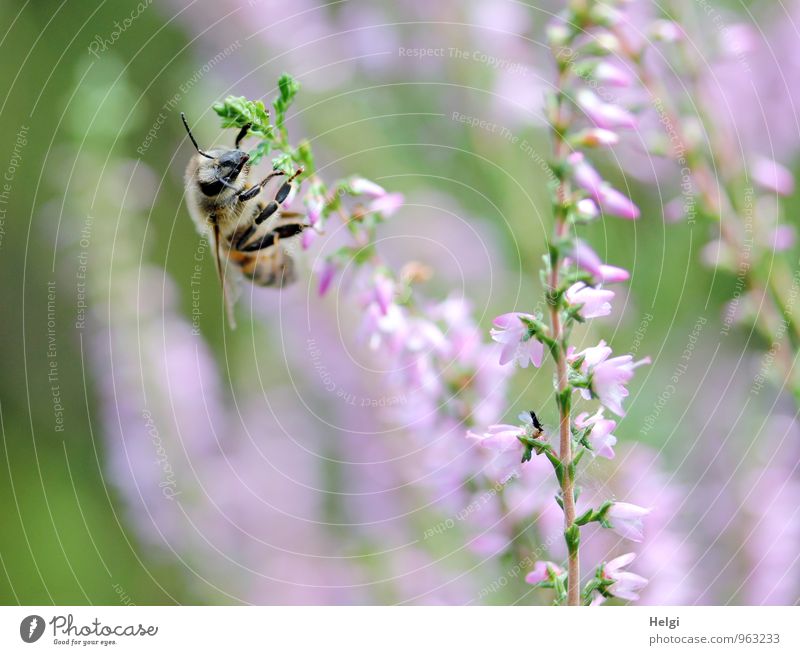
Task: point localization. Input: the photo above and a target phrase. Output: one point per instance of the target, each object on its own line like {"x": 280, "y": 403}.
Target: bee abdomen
{"x": 278, "y": 270}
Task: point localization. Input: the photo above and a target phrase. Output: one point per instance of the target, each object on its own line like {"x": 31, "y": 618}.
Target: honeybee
{"x": 250, "y": 235}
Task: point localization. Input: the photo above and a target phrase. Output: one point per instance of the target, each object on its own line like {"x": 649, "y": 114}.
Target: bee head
{"x": 231, "y": 163}
{"x": 221, "y": 170}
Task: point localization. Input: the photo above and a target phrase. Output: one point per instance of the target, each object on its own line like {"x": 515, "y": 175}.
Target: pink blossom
{"x": 595, "y": 137}
{"x": 604, "y": 114}
{"x": 587, "y": 208}
{"x": 626, "y": 520}
{"x": 771, "y": 176}
{"x": 584, "y": 174}
{"x": 625, "y": 584}
{"x": 602, "y": 192}
{"x": 379, "y": 329}
{"x": 387, "y": 204}
{"x": 361, "y": 186}
{"x": 383, "y": 292}
{"x": 608, "y": 376}
{"x": 617, "y": 203}
{"x": 518, "y": 343}
{"x": 600, "y": 437}
{"x": 740, "y": 39}
{"x": 326, "y": 276}
{"x": 500, "y": 438}
{"x": 503, "y": 441}
{"x": 667, "y": 31}
{"x": 588, "y": 260}
{"x": 593, "y": 302}
{"x": 541, "y": 572}
{"x": 309, "y": 236}
{"x": 783, "y": 238}
{"x": 315, "y": 205}
{"x": 610, "y": 74}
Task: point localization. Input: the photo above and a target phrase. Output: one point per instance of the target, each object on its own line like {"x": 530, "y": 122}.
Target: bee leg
{"x": 243, "y": 237}
{"x": 242, "y": 134}
{"x": 280, "y": 197}
{"x": 265, "y": 213}
{"x": 253, "y": 191}
{"x": 284, "y": 231}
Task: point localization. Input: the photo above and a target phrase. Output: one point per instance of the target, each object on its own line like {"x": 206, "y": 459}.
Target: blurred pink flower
{"x": 772, "y": 176}
{"x": 783, "y": 238}
{"x": 604, "y": 114}
{"x": 611, "y": 74}
{"x": 387, "y": 204}
{"x": 608, "y": 376}
{"x": 587, "y": 208}
{"x": 384, "y": 292}
{"x": 518, "y": 343}
{"x": 541, "y": 572}
{"x": 588, "y": 260}
{"x": 362, "y": 186}
{"x": 503, "y": 441}
{"x": 326, "y": 276}
{"x": 600, "y": 438}
{"x": 617, "y": 203}
{"x": 626, "y": 520}
{"x": 584, "y": 174}
{"x": 626, "y": 584}
{"x": 593, "y": 302}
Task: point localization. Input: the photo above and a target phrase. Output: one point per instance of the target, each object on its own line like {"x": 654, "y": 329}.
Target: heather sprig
{"x": 573, "y": 276}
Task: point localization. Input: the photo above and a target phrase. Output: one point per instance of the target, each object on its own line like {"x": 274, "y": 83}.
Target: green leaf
{"x": 283, "y": 162}
{"x": 239, "y": 111}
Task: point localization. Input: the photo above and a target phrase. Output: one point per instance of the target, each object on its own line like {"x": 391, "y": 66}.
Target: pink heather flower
{"x": 593, "y": 302}
{"x": 609, "y": 379}
{"x": 500, "y": 438}
{"x": 597, "y": 599}
{"x": 387, "y": 204}
{"x": 739, "y": 39}
{"x": 617, "y": 203}
{"x": 608, "y": 376}
{"x": 379, "y": 329}
{"x": 363, "y": 187}
{"x": 503, "y": 441}
{"x": 666, "y": 30}
{"x": 309, "y": 236}
{"x": 383, "y": 292}
{"x": 541, "y": 572}
{"x": 782, "y": 238}
{"x": 587, "y": 208}
{"x": 625, "y": 584}
{"x": 591, "y": 356}
{"x": 584, "y": 174}
{"x": 588, "y": 260}
{"x": 602, "y": 192}
{"x": 604, "y": 114}
{"x": 608, "y": 73}
{"x": 771, "y": 176}
{"x": 595, "y": 137}
{"x": 315, "y": 204}
{"x": 517, "y": 342}
{"x": 600, "y": 438}
{"x": 326, "y": 276}
{"x": 626, "y": 520}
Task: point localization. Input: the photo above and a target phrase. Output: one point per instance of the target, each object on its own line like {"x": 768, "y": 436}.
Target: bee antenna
{"x": 191, "y": 136}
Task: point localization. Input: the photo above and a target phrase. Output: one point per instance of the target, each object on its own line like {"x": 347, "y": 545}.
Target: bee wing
{"x": 228, "y": 278}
